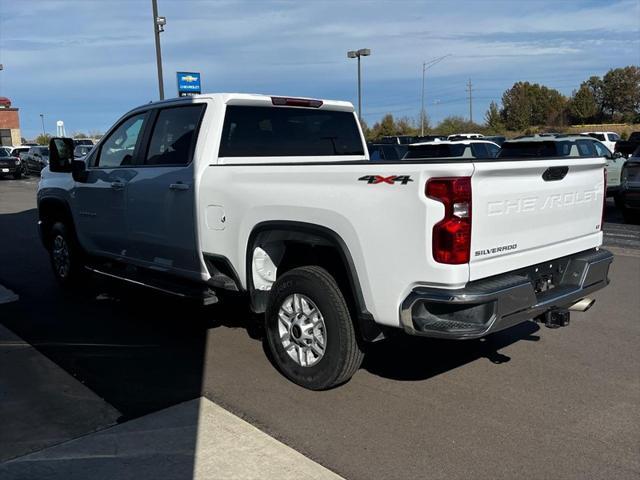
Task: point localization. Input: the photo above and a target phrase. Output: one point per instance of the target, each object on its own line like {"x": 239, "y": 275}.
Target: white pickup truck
{"x": 276, "y": 198}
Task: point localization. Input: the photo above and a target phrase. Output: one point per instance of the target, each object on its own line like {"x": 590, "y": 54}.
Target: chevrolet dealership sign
{"x": 188, "y": 83}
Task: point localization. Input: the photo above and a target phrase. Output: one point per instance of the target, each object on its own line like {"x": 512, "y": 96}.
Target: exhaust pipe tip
{"x": 582, "y": 305}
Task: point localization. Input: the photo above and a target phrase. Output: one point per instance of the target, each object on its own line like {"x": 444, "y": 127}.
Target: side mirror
{"x": 60, "y": 154}
{"x": 616, "y": 155}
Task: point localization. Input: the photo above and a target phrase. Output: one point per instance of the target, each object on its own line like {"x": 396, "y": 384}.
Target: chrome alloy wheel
{"x": 302, "y": 330}
{"x": 61, "y": 258}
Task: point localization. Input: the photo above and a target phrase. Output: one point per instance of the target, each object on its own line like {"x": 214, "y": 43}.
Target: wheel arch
{"x": 298, "y": 240}
{"x": 50, "y": 210}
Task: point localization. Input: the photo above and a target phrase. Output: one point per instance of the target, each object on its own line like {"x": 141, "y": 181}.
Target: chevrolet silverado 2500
{"x": 275, "y": 197}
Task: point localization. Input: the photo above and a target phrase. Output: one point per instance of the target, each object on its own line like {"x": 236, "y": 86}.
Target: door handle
{"x": 117, "y": 185}
{"x": 179, "y": 186}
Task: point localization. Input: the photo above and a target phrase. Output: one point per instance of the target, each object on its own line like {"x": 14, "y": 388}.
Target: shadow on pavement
{"x": 422, "y": 358}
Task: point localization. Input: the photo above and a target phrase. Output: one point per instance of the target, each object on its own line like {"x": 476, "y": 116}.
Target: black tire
{"x": 17, "y": 175}
{"x": 63, "y": 245}
{"x": 342, "y": 355}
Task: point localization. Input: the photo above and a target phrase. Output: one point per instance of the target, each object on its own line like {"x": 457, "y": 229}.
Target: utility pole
{"x": 425, "y": 66}
{"x": 44, "y": 134}
{"x": 470, "y": 90}
{"x": 158, "y": 26}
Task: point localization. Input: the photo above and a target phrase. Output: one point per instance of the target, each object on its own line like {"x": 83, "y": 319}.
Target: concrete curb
{"x": 196, "y": 440}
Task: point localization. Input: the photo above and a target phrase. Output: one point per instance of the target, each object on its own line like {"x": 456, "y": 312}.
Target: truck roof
{"x": 255, "y": 99}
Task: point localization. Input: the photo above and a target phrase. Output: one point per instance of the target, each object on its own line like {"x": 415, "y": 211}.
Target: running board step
{"x": 179, "y": 288}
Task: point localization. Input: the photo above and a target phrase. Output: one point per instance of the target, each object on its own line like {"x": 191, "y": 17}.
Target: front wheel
{"x": 65, "y": 255}
{"x": 308, "y": 329}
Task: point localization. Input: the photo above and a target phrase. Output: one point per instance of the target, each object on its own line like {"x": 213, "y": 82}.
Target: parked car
{"x": 627, "y": 147}
{"x": 36, "y": 159}
{"x": 462, "y": 136}
{"x": 277, "y": 198}
{"x": 19, "y": 152}
{"x": 630, "y": 188}
{"x": 81, "y": 150}
{"x": 560, "y": 145}
{"x": 386, "y": 151}
{"x": 615, "y": 162}
{"x": 460, "y": 149}
{"x": 398, "y": 139}
{"x": 83, "y": 141}
{"x": 9, "y": 165}
{"x": 608, "y": 138}
{"x": 429, "y": 138}
{"x": 16, "y": 151}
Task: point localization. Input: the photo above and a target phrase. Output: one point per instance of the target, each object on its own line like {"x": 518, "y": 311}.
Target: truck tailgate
{"x": 530, "y": 211}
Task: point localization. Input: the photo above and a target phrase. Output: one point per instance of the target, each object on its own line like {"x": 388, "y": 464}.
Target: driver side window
{"x": 118, "y": 149}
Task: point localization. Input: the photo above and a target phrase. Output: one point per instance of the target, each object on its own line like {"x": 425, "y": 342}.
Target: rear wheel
{"x": 308, "y": 329}
{"x": 65, "y": 255}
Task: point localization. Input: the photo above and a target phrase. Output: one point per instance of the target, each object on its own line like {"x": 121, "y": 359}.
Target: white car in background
{"x": 608, "y": 138}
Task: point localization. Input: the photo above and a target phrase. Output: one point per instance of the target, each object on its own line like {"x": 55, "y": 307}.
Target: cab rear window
{"x": 288, "y": 132}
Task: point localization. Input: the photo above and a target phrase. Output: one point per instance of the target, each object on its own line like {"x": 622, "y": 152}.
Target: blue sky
{"x": 87, "y": 62}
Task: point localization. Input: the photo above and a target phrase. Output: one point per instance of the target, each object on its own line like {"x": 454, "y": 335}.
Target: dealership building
{"x": 9, "y": 124}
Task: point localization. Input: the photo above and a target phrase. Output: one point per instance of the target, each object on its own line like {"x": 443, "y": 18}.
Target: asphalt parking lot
{"x": 524, "y": 403}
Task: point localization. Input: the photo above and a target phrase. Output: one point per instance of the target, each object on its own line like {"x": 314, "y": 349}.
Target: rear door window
{"x": 287, "y": 132}
{"x": 174, "y": 136}
{"x": 613, "y": 137}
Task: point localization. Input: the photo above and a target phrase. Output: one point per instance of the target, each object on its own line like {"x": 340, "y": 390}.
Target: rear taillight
{"x": 604, "y": 198}
{"x": 452, "y": 235}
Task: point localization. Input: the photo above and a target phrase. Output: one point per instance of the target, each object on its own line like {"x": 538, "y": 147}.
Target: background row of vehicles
{"x": 622, "y": 174}
{"x": 32, "y": 158}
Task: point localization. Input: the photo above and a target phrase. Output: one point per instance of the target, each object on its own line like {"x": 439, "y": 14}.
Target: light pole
{"x": 363, "y": 52}
{"x": 158, "y": 27}
{"x": 42, "y": 119}
{"x": 425, "y": 66}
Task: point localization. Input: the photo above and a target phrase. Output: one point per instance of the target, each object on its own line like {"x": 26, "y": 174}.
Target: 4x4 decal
{"x": 374, "y": 179}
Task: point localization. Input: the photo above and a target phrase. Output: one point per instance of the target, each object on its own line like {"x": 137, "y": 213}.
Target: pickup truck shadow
{"x": 422, "y": 358}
